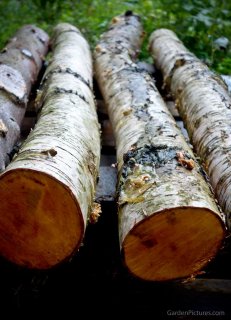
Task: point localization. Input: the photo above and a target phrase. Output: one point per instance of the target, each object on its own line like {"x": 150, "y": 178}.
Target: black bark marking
{"x": 65, "y": 91}
{"x": 67, "y": 71}
{"x": 150, "y": 155}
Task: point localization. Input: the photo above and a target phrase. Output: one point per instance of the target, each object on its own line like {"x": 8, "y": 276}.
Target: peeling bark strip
{"x": 47, "y": 190}
{"x": 20, "y": 63}
{"x": 169, "y": 224}
{"x": 204, "y": 104}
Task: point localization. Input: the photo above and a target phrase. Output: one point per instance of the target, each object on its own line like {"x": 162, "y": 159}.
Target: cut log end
{"x": 173, "y": 244}
{"x": 39, "y": 217}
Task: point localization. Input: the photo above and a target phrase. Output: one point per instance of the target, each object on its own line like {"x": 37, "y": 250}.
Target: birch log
{"x": 20, "y": 63}
{"x": 47, "y": 190}
{"x": 169, "y": 224}
{"x": 204, "y": 104}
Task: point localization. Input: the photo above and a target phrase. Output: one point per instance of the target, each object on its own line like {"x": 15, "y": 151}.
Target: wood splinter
{"x": 95, "y": 214}
{"x": 187, "y": 163}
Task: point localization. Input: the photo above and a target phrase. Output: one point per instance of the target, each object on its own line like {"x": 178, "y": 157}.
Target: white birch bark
{"x": 54, "y": 174}
{"x": 20, "y": 63}
{"x": 165, "y": 205}
{"x": 204, "y": 103}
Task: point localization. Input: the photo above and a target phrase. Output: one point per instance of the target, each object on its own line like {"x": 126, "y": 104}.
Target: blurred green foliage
{"x": 199, "y": 23}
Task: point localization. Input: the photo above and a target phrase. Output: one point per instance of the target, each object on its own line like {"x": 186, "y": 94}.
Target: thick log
{"x": 20, "y": 63}
{"x": 47, "y": 190}
{"x": 169, "y": 224}
{"x": 204, "y": 104}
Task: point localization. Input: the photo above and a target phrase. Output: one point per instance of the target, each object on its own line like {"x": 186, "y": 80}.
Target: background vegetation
{"x": 203, "y": 25}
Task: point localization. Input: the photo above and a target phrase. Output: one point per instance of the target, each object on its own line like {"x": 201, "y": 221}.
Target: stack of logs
{"x": 169, "y": 222}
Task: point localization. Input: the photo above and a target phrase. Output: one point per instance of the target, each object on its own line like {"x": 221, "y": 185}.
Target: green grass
{"x": 197, "y": 22}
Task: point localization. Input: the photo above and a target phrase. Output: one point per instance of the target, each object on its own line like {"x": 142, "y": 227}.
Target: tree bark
{"x": 169, "y": 224}
{"x": 227, "y": 80}
{"x": 20, "y": 63}
{"x": 53, "y": 177}
{"x": 204, "y": 104}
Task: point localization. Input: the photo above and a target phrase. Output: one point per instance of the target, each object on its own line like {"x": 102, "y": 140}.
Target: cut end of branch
{"x": 173, "y": 244}
{"x": 50, "y": 152}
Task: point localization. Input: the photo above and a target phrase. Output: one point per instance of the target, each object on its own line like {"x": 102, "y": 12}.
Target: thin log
{"x": 47, "y": 190}
{"x": 20, "y": 63}
{"x": 169, "y": 224}
{"x": 204, "y": 104}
